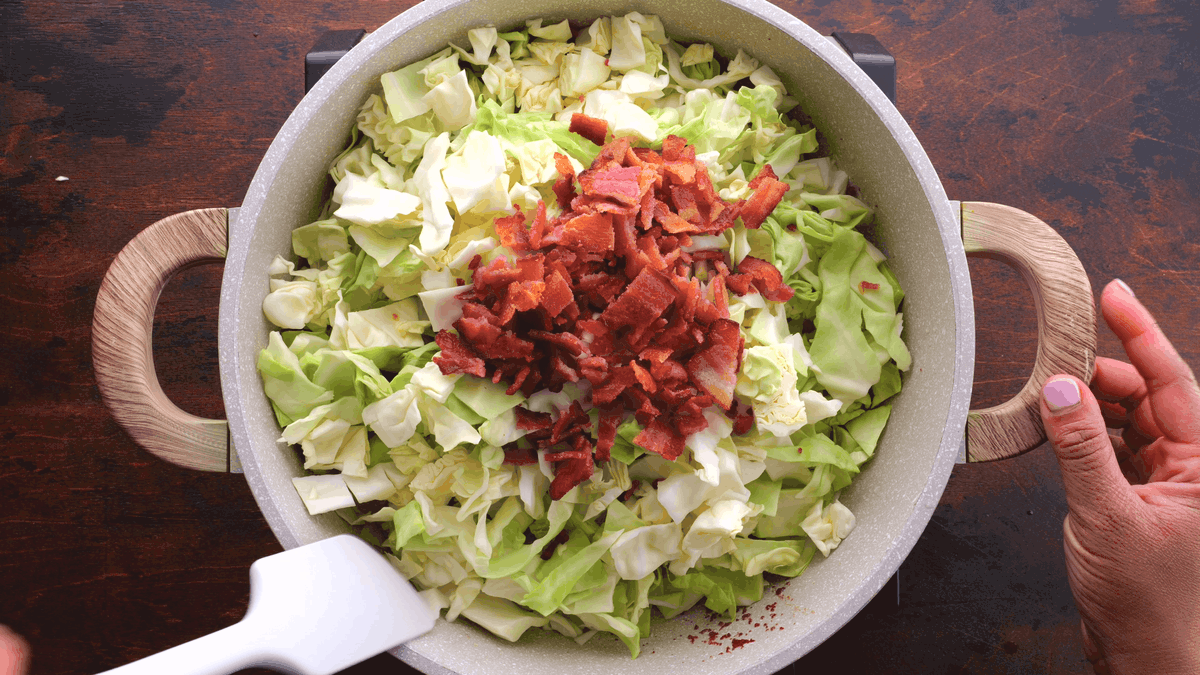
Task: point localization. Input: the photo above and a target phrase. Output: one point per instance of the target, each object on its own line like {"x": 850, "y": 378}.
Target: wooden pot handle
{"x": 121, "y": 334}
{"x": 1062, "y": 296}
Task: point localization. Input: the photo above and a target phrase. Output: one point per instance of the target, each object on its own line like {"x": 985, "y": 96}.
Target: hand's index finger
{"x": 1170, "y": 384}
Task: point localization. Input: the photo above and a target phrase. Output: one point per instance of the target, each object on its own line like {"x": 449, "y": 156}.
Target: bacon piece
{"x": 671, "y": 221}
{"x": 644, "y": 378}
{"x": 675, "y": 149}
{"x": 868, "y": 286}
{"x": 725, "y": 218}
{"x": 602, "y": 287}
{"x": 648, "y": 156}
{"x": 763, "y": 276}
{"x": 521, "y": 296}
{"x": 539, "y": 227}
{"x": 506, "y": 346}
{"x": 519, "y": 456}
{"x": 557, "y": 294}
{"x": 619, "y": 184}
{"x": 589, "y": 232}
{"x": 589, "y": 127}
{"x": 572, "y": 420}
{"x": 567, "y": 341}
{"x": 563, "y": 455}
{"x": 606, "y": 433}
{"x": 655, "y": 355}
{"x": 558, "y": 540}
{"x": 689, "y": 418}
{"x": 611, "y": 155}
{"x": 766, "y": 173}
{"x": 646, "y": 410}
{"x": 594, "y": 368}
{"x": 564, "y": 187}
{"x": 518, "y": 381}
{"x": 477, "y": 331}
{"x": 684, "y": 199}
{"x": 720, "y": 299}
{"x": 561, "y": 372}
{"x": 743, "y": 420}
{"x": 714, "y": 366}
{"x": 571, "y": 472}
{"x": 457, "y": 356}
{"x": 705, "y": 192}
{"x": 682, "y": 173}
{"x": 499, "y": 273}
{"x": 669, "y": 373}
{"x": 643, "y": 301}
{"x": 527, "y": 420}
{"x": 619, "y": 379}
{"x": 660, "y": 439}
{"x": 512, "y": 231}
{"x": 762, "y": 202}
{"x": 474, "y": 310}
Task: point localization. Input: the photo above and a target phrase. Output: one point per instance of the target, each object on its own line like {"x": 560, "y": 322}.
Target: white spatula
{"x": 314, "y": 610}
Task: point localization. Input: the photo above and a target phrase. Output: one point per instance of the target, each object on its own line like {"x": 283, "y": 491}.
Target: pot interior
{"x": 896, "y": 493}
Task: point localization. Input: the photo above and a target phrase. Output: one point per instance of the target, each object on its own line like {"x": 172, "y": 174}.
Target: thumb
{"x": 1093, "y": 481}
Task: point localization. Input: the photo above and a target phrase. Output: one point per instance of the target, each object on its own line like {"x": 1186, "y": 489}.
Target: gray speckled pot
{"x": 893, "y": 499}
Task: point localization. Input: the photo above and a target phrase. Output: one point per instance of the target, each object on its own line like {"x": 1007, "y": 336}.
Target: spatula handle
{"x": 225, "y": 651}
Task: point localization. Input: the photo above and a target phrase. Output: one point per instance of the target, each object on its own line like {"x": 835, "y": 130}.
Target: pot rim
{"x": 231, "y": 323}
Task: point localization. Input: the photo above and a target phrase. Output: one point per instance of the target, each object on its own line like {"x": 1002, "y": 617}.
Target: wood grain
{"x": 1066, "y": 321}
{"x": 123, "y": 329}
{"x": 1081, "y": 112}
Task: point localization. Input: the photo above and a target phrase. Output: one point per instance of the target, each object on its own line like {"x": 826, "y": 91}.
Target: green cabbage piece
{"x": 528, "y": 127}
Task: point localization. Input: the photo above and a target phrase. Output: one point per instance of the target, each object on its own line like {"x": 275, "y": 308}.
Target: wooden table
{"x": 1082, "y": 113}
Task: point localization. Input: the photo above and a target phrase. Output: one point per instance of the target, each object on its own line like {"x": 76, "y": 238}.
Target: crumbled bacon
{"x": 605, "y": 292}
{"x": 755, "y": 274}
{"x": 868, "y": 286}
{"x": 589, "y": 127}
{"x": 768, "y": 192}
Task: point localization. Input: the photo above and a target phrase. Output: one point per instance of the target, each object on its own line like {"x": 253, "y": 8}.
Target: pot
{"x": 926, "y": 236}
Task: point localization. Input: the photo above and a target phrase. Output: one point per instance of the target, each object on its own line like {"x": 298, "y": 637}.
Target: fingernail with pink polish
{"x": 1061, "y": 395}
{"x": 1124, "y": 286}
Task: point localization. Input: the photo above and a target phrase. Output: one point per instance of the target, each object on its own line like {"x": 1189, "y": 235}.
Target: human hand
{"x": 1132, "y": 536}
{"x": 14, "y": 653}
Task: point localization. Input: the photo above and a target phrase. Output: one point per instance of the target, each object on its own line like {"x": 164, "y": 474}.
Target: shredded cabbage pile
{"x": 414, "y": 457}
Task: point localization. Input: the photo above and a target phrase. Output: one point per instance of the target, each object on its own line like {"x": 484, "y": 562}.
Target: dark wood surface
{"x": 1083, "y": 113}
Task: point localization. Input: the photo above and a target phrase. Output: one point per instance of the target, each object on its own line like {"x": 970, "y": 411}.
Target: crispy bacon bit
{"x": 762, "y": 201}
{"x": 605, "y": 292}
{"x": 761, "y": 275}
{"x": 564, "y": 187}
{"x": 610, "y": 419}
{"x": 633, "y": 487}
{"x": 559, "y": 539}
{"x": 868, "y": 286}
{"x": 714, "y": 367}
{"x": 619, "y": 184}
{"x": 557, "y": 295}
{"x": 766, "y": 173}
{"x": 590, "y": 232}
{"x": 743, "y": 420}
{"x": 457, "y": 357}
{"x": 589, "y": 127}
{"x": 531, "y": 421}
{"x": 572, "y": 472}
{"x": 519, "y": 456}
{"x": 660, "y": 439}
{"x": 512, "y": 232}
